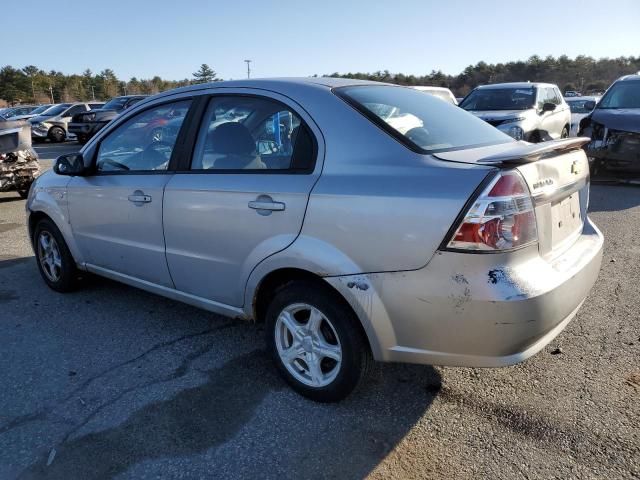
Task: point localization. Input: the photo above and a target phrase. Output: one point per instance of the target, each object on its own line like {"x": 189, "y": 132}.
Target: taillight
{"x": 501, "y": 218}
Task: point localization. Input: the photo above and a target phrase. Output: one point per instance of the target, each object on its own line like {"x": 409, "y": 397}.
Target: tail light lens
{"x": 501, "y": 218}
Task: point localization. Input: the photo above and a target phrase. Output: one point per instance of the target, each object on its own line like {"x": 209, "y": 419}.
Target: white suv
{"x": 534, "y": 112}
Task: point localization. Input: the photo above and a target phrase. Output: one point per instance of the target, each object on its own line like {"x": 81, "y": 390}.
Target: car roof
{"x": 595, "y": 98}
{"x": 626, "y": 78}
{"x": 276, "y": 83}
{"x": 427, "y": 87}
{"x": 517, "y": 85}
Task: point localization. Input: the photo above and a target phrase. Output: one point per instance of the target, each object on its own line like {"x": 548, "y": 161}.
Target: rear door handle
{"x": 274, "y": 206}
{"x": 139, "y": 197}
{"x": 264, "y": 204}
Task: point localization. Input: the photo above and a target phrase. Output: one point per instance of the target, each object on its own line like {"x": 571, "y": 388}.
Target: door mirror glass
{"x": 71, "y": 164}
{"x": 548, "y": 107}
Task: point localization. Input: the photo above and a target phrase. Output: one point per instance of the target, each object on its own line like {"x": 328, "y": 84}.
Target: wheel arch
{"x": 277, "y": 279}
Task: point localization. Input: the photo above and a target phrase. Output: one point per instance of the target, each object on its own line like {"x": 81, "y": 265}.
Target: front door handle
{"x": 264, "y": 204}
{"x": 139, "y": 197}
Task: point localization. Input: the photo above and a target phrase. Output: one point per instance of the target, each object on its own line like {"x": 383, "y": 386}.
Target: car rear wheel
{"x": 56, "y": 134}
{"x": 565, "y": 133}
{"x": 56, "y": 265}
{"x": 316, "y": 342}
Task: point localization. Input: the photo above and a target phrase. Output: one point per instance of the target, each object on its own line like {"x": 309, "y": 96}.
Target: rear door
{"x": 244, "y": 194}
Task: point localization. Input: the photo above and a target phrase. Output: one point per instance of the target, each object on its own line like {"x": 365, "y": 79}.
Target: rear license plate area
{"x": 566, "y": 219}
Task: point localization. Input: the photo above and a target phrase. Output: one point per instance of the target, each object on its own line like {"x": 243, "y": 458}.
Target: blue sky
{"x": 299, "y": 38}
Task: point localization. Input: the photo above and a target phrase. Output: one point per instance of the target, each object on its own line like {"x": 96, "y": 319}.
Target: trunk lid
{"x": 557, "y": 174}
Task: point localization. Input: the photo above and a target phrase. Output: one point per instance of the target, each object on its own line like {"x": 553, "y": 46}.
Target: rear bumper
{"x": 474, "y": 310}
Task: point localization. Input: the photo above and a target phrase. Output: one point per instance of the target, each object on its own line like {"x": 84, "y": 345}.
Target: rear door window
{"x": 247, "y": 133}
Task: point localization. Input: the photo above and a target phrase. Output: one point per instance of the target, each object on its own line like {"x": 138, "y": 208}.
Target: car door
{"x": 244, "y": 195}
{"x": 116, "y": 213}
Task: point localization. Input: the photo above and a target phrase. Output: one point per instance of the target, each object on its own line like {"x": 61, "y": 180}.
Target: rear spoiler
{"x": 522, "y": 152}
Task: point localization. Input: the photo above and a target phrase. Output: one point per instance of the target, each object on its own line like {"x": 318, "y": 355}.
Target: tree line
{"x": 582, "y": 73}
{"x": 31, "y": 84}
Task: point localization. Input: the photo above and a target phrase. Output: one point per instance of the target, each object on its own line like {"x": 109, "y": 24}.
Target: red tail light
{"x": 501, "y": 218}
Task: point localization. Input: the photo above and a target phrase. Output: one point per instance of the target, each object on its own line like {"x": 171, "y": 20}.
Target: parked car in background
{"x": 85, "y": 125}
{"x": 34, "y": 112}
{"x": 534, "y": 112}
{"x": 614, "y": 129}
{"x": 19, "y": 165}
{"x": 53, "y": 123}
{"x": 439, "y": 92}
{"x": 13, "y": 112}
{"x": 580, "y": 107}
{"x": 486, "y": 253}
{"x": 572, "y": 93}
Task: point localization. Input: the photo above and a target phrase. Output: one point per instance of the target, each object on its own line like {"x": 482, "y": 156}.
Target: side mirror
{"x": 548, "y": 107}
{"x": 71, "y": 164}
{"x": 589, "y": 105}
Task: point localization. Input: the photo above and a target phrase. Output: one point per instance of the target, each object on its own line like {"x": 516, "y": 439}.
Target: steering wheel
{"x": 113, "y": 163}
{"x": 153, "y": 155}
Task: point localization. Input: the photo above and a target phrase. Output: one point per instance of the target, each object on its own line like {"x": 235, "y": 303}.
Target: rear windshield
{"x": 422, "y": 122}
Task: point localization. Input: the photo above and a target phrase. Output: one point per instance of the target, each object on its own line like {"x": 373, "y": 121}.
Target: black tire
{"x": 564, "y": 133}
{"x": 69, "y": 276}
{"x": 56, "y": 134}
{"x": 356, "y": 362}
{"x": 23, "y": 193}
{"x": 37, "y": 140}
{"x": 535, "y": 137}
{"x": 82, "y": 139}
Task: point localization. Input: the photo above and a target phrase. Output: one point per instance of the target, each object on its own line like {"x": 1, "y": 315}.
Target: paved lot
{"x": 114, "y": 382}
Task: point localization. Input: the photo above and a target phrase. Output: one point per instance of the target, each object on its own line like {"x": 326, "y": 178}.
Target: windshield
{"x": 577, "y": 106}
{"x": 115, "y": 104}
{"x": 500, "y": 99}
{"x": 57, "y": 109}
{"x": 625, "y": 94}
{"x": 423, "y": 122}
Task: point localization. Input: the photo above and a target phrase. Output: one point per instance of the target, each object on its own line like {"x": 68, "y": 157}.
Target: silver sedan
{"x": 360, "y": 221}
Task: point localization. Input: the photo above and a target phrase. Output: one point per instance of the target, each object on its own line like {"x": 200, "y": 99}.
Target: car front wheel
{"x": 316, "y": 342}
{"x": 57, "y": 134}
{"x": 56, "y": 265}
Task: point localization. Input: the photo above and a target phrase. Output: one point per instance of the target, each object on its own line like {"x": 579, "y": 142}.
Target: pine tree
{"x": 204, "y": 75}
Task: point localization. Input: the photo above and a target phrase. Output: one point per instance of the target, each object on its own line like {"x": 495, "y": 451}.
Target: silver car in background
{"x": 297, "y": 202}
{"x": 535, "y": 112}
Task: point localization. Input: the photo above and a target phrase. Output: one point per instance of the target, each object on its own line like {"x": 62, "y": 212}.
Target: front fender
{"x": 49, "y": 197}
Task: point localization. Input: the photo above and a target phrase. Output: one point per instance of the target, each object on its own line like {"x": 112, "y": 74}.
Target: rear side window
{"x": 422, "y": 122}
{"x": 245, "y": 133}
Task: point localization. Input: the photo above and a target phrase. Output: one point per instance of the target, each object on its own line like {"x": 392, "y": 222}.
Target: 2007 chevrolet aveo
{"x": 359, "y": 220}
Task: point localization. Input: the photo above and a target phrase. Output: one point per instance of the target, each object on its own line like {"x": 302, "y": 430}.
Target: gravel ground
{"x": 114, "y": 382}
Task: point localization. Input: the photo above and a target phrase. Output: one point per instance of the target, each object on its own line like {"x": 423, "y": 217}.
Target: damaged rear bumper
{"x": 474, "y": 310}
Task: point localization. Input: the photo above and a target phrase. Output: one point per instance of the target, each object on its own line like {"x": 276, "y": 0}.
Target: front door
{"x": 116, "y": 213}
{"x": 243, "y": 198}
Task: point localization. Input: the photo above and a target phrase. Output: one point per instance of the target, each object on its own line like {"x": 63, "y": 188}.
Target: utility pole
{"x": 93, "y": 93}
{"x": 248, "y": 62}
{"x": 51, "y": 92}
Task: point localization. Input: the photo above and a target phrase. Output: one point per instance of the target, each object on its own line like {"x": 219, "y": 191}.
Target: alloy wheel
{"x": 49, "y": 256}
{"x": 308, "y": 345}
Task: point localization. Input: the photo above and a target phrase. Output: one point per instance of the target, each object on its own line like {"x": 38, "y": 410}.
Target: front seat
{"x": 234, "y": 141}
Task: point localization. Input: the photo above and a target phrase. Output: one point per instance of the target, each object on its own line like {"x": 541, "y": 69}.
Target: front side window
{"x": 624, "y": 94}
{"x": 423, "y": 122}
{"x": 144, "y": 142}
{"x": 508, "y": 98}
{"x": 251, "y": 133}
{"x": 74, "y": 110}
